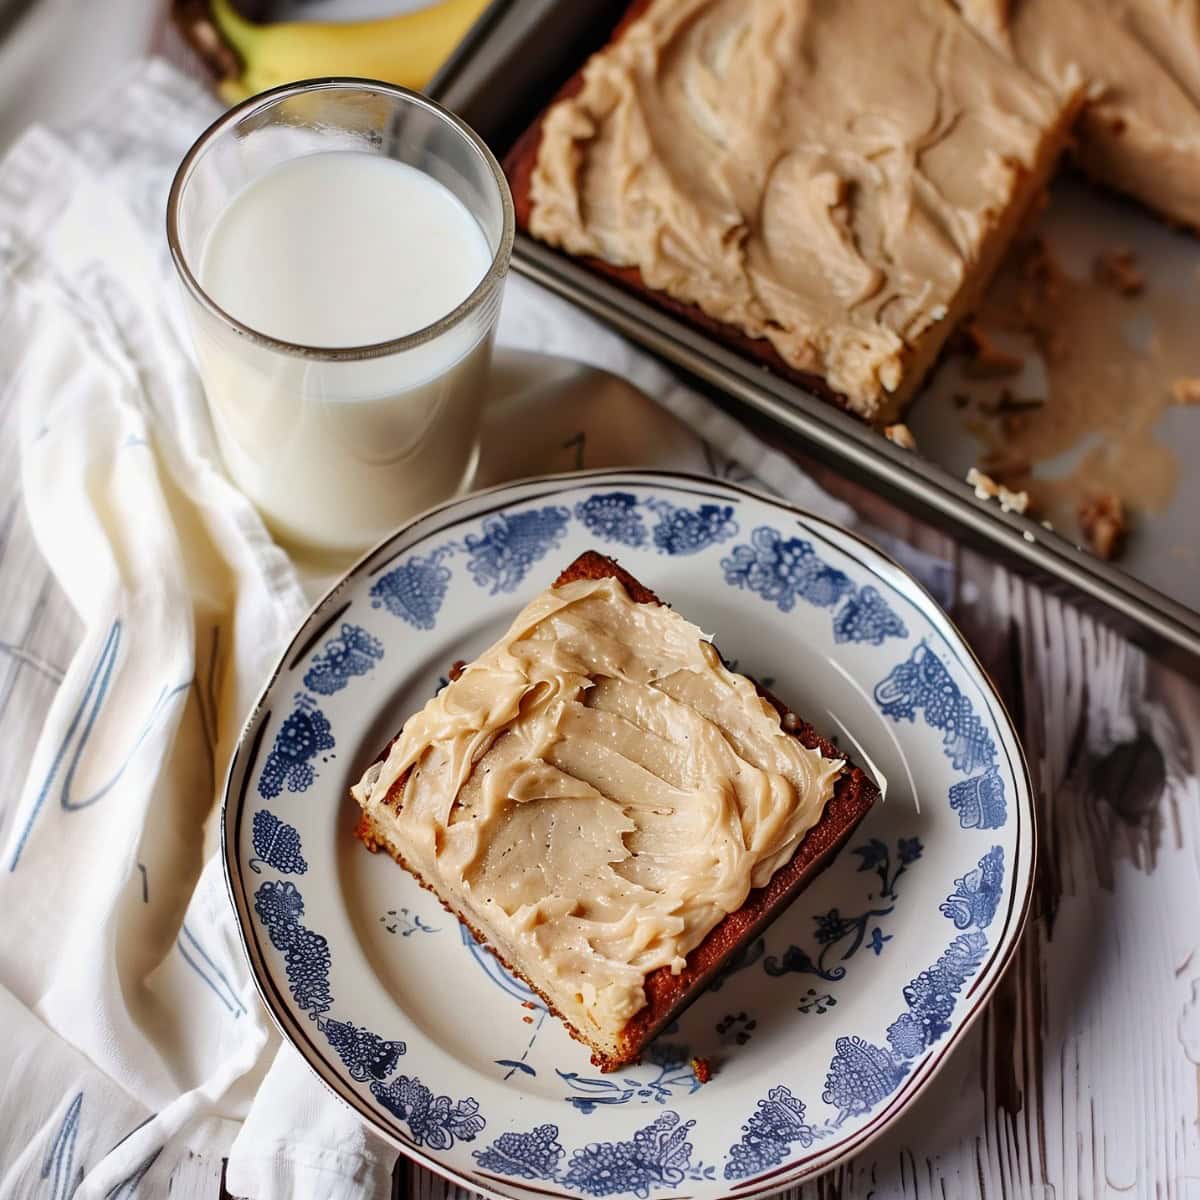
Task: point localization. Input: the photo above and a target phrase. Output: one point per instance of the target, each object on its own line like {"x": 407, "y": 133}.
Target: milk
{"x": 334, "y": 250}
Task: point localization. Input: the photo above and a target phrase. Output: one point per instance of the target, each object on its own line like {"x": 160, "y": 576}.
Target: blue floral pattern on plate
{"x": 774, "y": 1127}
{"x": 784, "y": 570}
{"x": 507, "y": 545}
{"x": 477, "y": 1075}
{"x": 304, "y": 734}
{"x": 922, "y": 684}
{"x": 414, "y": 590}
{"x": 613, "y": 517}
{"x": 276, "y": 844}
{"x": 977, "y": 894}
{"x": 867, "y": 617}
{"x": 432, "y": 1120}
{"x": 500, "y": 556}
{"x": 686, "y": 530}
{"x": 861, "y": 1074}
{"x": 657, "y": 1156}
{"x": 353, "y": 652}
{"x": 305, "y": 954}
{"x": 840, "y": 935}
{"x": 674, "y": 1074}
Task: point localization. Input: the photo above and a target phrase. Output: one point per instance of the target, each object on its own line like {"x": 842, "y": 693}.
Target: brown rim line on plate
{"x": 669, "y": 993}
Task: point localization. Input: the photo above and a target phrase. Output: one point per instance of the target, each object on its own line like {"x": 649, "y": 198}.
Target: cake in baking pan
{"x": 825, "y": 186}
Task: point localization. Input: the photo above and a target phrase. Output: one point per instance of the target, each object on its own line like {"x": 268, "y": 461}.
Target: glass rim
{"x": 479, "y": 296}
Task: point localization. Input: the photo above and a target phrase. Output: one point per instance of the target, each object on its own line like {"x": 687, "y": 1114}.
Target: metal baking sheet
{"x": 503, "y": 75}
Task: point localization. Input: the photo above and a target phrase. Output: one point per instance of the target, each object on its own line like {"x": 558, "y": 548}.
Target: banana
{"x": 406, "y": 49}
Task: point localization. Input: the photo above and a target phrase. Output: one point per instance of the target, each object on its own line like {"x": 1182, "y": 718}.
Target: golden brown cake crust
{"x": 668, "y": 994}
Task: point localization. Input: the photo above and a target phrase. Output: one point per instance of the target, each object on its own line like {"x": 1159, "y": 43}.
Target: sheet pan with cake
{"x": 591, "y": 815}
{"x": 971, "y": 225}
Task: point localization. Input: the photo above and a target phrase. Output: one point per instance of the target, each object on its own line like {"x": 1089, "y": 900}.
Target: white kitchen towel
{"x": 132, "y": 1034}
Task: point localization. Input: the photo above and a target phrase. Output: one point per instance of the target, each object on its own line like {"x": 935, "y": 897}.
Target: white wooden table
{"x": 1083, "y": 1077}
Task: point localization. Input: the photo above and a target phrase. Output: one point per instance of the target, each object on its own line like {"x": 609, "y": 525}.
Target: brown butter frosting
{"x": 825, "y": 174}
{"x": 595, "y": 793}
{"x": 1140, "y": 131}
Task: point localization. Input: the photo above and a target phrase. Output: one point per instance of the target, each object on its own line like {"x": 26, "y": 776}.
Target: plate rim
{"x": 786, "y": 1175}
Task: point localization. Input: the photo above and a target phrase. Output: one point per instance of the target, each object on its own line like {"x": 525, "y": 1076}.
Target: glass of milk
{"x": 343, "y": 246}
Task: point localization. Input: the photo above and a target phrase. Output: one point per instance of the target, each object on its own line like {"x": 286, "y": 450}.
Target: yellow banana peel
{"x": 406, "y": 49}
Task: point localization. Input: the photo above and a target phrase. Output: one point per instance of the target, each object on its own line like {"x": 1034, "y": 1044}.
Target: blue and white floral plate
{"x": 820, "y": 1033}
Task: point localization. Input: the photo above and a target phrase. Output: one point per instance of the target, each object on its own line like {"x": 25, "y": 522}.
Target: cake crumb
{"x": 1186, "y": 390}
{"x": 986, "y": 488}
{"x": 1103, "y": 519}
{"x": 1028, "y": 535}
{"x": 528, "y": 1004}
{"x": 702, "y": 1069}
{"x": 987, "y": 360}
{"x": 527, "y": 1020}
{"x": 1117, "y": 269}
{"x": 900, "y": 435}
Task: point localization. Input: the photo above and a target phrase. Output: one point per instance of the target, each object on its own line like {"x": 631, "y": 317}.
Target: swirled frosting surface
{"x": 825, "y": 174}
{"x": 595, "y": 793}
{"x": 1140, "y": 59}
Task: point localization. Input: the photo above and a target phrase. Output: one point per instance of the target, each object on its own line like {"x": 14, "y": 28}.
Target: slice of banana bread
{"x": 608, "y": 807}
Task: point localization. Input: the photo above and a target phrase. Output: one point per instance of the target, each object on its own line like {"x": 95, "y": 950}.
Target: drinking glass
{"x": 336, "y": 446}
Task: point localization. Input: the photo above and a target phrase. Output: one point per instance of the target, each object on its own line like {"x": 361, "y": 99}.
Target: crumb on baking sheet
{"x": 1118, "y": 269}
{"x": 702, "y": 1069}
{"x": 900, "y": 435}
{"x": 986, "y": 488}
{"x": 1105, "y": 523}
{"x": 988, "y": 361}
{"x": 1186, "y": 390}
